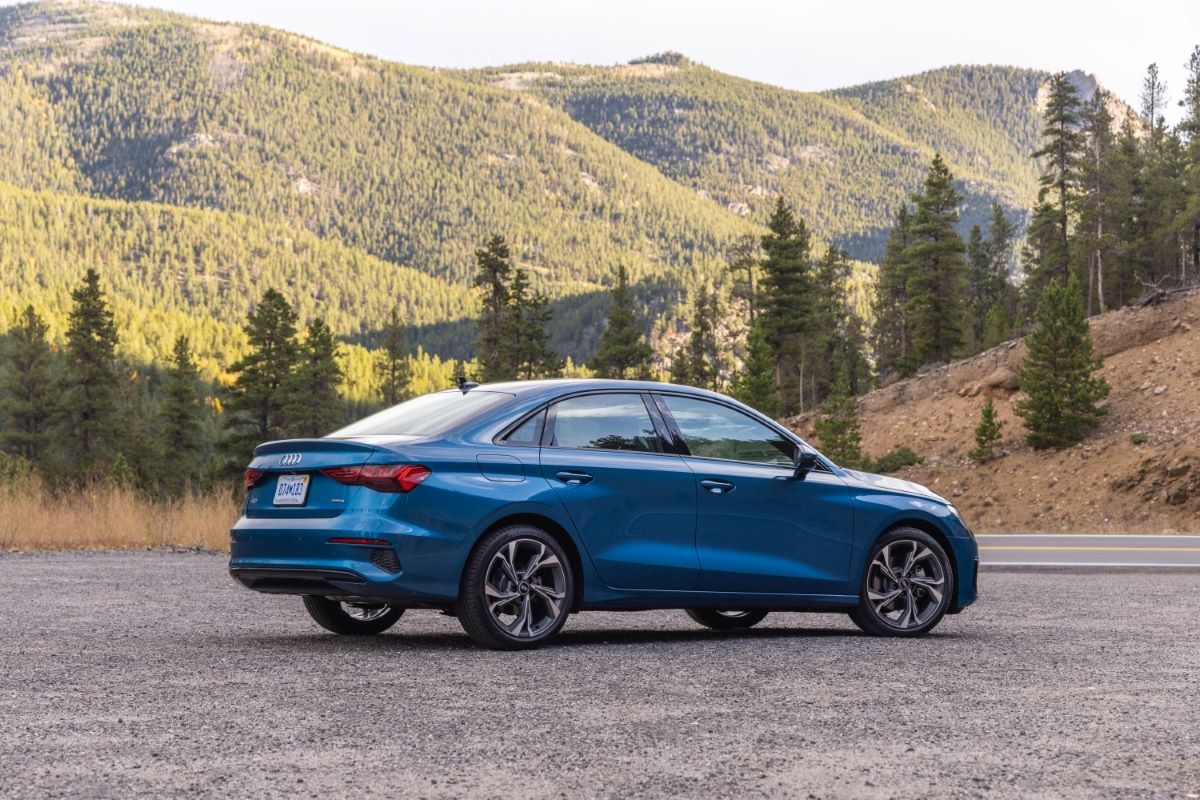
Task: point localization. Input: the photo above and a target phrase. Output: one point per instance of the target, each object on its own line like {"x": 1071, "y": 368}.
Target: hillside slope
{"x": 407, "y": 164}
{"x": 846, "y": 158}
{"x": 1107, "y": 483}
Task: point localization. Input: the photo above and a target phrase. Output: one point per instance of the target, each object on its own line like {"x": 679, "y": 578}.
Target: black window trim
{"x": 667, "y": 442}
{"x": 660, "y": 402}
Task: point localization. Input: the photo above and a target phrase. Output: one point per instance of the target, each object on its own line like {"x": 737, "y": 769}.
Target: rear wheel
{"x": 351, "y": 619}
{"x": 516, "y": 590}
{"x": 906, "y": 587}
{"x": 726, "y": 620}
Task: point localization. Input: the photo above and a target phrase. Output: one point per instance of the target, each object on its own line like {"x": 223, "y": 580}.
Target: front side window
{"x": 711, "y": 430}
{"x": 605, "y": 422}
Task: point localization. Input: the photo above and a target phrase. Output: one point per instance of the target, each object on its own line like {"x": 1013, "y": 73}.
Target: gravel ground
{"x": 151, "y": 673}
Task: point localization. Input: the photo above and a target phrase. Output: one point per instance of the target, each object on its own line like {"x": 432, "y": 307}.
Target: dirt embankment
{"x": 1109, "y": 482}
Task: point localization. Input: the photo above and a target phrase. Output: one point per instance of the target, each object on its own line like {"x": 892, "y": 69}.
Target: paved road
{"x": 1089, "y": 550}
{"x": 151, "y": 674}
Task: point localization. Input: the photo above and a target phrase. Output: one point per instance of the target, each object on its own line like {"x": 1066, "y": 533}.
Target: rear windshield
{"x": 424, "y": 416}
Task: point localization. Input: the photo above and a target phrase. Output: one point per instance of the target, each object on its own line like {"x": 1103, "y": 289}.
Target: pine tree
{"x": 937, "y": 271}
{"x": 28, "y": 394}
{"x": 979, "y": 273}
{"x": 623, "y": 352}
{"x": 987, "y": 432}
{"x": 254, "y": 404}
{"x": 1096, "y": 199}
{"x": 181, "y": 421}
{"x": 681, "y": 366}
{"x": 893, "y": 352}
{"x": 1050, "y": 227}
{"x": 313, "y": 404}
{"x": 495, "y": 271}
{"x": 755, "y": 386}
{"x": 1057, "y": 375}
{"x": 88, "y": 430}
{"x": 743, "y": 261}
{"x": 1188, "y": 222}
{"x": 786, "y": 304}
{"x": 703, "y": 353}
{"x": 392, "y": 369}
{"x": 525, "y": 352}
{"x": 1001, "y": 295}
{"x": 837, "y": 428}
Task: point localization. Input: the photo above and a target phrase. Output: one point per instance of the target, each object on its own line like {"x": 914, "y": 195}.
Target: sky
{"x": 800, "y": 44}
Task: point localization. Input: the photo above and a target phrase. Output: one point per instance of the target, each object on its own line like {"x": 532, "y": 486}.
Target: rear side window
{"x": 425, "y": 416}
{"x": 605, "y": 422}
{"x": 711, "y": 430}
{"x": 528, "y": 432}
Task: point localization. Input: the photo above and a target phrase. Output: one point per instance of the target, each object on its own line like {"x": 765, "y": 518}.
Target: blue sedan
{"x": 514, "y": 505}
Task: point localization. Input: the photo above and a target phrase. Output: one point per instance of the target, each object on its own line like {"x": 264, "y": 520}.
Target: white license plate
{"x": 290, "y": 490}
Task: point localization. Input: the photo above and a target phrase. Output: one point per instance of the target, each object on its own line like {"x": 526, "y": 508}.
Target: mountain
{"x": 196, "y": 163}
{"x": 847, "y": 159}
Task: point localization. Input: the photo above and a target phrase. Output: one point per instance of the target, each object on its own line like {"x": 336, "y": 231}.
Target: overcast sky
{"x": 800, "y": 44}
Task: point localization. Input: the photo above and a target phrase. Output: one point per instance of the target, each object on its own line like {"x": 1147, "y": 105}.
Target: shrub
{"x": 900, "y": 457}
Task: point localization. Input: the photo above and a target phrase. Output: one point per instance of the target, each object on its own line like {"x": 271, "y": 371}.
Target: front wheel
{"x": 726, "y": 620}
{"x": 906, "y": 587}
{"x": 517, "y": 589}
{"x": 351, "y": 619}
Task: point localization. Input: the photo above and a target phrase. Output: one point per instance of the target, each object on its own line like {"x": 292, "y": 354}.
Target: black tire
{"x": 921, "y": 597}
{"x": 332, "y": 616}
{"x": 536, "y": 591}
{"x": 726, "y": 619}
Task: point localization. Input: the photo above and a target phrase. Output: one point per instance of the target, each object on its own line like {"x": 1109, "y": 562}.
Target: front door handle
{"x": 573, "y": 478}
{"x": 717, "y": 487}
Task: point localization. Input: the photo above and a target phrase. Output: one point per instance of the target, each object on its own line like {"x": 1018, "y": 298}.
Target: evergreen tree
{"x": 525, "y": 352}
{"x": 495, "y": 271}
{"x": 786, "y": 304}
{"x": 755, "y": 386}
{"x": 1000, "y": 318}
{"x": 701, "y": 358}
{"x": 1189, "y": 127}
{"x": 837, "y": 428}
{"x": 181, "y": 433}
{"x": 836, "y": 330}
{"x": 254, "y": 404}
{"x": 623, "y": 351}
{"x": 743, "y": 261}
{"x": 89, "y": 428}
{"x": 979, "y": 273}
{"x": 28, "y": 393}
{"x": 1056, "y": 376}
{"x": 987, "y": 432}
{"x": 1050, "y": 227}
{"x": 937, "y": 275}
{"x": 1095, "y": 201}
{"x": 893, "y": 352}
{"x": 392, "y": 369}
{"x": 681, "y": 366}
{"x": 313, "y": 405}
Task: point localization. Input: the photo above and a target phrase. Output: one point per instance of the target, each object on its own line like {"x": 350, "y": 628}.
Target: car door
{"x": 757, "y": 529}
{"x": 632, "y": 503}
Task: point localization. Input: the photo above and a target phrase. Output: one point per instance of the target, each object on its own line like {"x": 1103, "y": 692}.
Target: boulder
{"x": 1003, "y": 378}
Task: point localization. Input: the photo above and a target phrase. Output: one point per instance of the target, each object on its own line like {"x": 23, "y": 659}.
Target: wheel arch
{"x": 556, "y": 530}
{"x": 926, "y": 526}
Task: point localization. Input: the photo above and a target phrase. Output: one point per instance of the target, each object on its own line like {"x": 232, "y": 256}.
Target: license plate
{"x": 290, "y": 490}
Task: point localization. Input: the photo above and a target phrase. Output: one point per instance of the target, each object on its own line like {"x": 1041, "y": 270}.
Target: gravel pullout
{"x": 151, "y": 673}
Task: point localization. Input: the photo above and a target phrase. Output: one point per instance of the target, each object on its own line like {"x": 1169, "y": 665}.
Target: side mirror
{"x": 805, "y": 463}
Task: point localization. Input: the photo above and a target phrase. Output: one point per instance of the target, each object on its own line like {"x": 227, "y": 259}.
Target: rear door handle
{"x": 717, "y": 487}
{"x": 573, "y": 478}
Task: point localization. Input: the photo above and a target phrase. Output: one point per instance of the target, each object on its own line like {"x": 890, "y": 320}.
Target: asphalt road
{"x": 1089, "y": 550}
{"x": 151, "y": 674}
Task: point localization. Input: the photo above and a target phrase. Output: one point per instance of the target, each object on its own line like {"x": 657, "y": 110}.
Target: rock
{"x": 1177, "y": 496}
{"x": 1145, "y": 385}
{"x": 1159, "y": 390}
{"x": 1178, "y": 469}
{"x": 1003, "y": 378}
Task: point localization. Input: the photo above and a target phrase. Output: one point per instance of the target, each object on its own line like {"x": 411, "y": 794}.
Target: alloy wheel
{"x": 364, "y": 613}
{"x": 525, "y": 588}
{"x": 905, "y": 584}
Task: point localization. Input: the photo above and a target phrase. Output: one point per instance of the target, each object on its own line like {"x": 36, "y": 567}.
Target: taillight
{"x": 251, "y": 478}
{"x": 381, "y": 477}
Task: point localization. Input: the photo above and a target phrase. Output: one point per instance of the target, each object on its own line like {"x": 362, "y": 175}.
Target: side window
{"x": 528, "y": 432}
{"x": 605, "y": 422}
{"x": 716, "y": 431}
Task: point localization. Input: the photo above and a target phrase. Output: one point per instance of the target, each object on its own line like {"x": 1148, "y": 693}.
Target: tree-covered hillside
{"x": 847, "y": 159}
{"x": 408, "y": 164}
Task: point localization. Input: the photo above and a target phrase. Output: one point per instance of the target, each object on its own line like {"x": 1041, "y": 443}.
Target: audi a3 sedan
{"x": 514, "y": 505}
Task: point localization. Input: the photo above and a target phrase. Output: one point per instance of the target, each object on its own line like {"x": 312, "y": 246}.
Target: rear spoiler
{"x": 312, "y": 446}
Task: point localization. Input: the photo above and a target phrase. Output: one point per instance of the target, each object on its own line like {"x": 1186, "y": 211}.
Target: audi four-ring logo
{"x": 290, "y": 459}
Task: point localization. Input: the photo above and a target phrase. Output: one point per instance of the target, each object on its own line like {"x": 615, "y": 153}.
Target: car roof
{"x": 558, "y": 386}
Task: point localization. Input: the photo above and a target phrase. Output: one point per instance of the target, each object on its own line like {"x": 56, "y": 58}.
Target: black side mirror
{"x": 805, "y": 463}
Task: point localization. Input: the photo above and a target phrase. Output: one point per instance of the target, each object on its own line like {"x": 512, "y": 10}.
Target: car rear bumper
{"x": 300, "y": 556}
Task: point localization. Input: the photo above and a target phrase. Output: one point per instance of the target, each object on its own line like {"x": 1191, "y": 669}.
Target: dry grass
{"x": 109, "y": 517}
